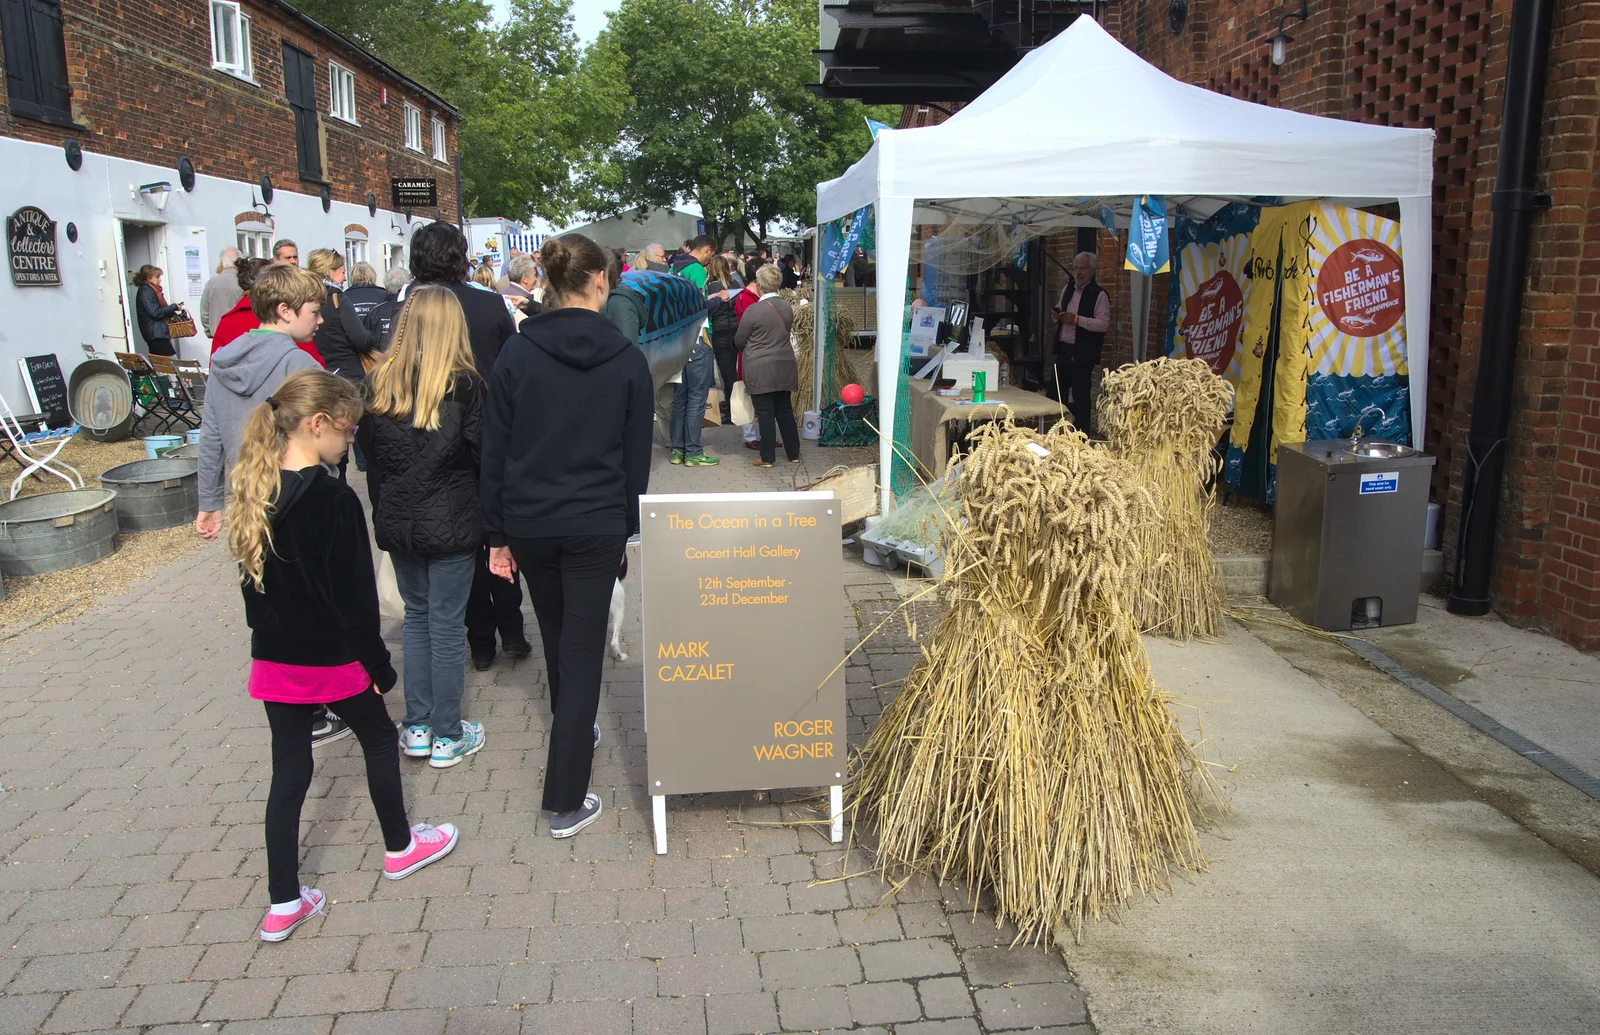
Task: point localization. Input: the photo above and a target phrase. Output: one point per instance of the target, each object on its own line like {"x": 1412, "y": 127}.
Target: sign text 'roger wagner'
{"x": 743, "y": 684}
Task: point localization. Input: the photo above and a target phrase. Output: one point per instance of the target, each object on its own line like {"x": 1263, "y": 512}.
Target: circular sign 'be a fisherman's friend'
{"x": 1361, "y": 288}
{"x": 1211, "y": 317}
{"x": 31, "y": 248}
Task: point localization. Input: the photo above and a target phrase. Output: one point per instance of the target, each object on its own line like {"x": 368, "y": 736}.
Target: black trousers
{"x": 291, "y": 778}
{"x": 728, "y": 366}
{"x": 570, "y": 581}
{"x": 773, "y": 408}
{"x": 1075, "y": 375}
{"x": 493, "y": 605}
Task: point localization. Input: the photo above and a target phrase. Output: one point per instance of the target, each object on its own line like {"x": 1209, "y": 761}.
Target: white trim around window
{"x": 440, "y": 151}
{"x": 254, "y": 244}
{"x": 413, "y": 127}
{"x": 341, "y": 93}
{"x": 230, "y": 40}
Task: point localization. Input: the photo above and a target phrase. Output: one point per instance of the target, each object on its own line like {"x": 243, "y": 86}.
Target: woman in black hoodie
{"x": 566, "y": 455}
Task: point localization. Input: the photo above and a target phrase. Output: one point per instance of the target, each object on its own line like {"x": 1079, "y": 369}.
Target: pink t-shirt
{"x": 306, "y": 684}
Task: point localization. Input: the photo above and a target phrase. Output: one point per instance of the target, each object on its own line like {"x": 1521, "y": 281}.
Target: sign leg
{"x": 836, "y": 811}
{"x": 658, "y": 809}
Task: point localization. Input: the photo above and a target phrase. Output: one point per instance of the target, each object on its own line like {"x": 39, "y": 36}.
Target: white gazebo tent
{"x": 1082, "y": 122}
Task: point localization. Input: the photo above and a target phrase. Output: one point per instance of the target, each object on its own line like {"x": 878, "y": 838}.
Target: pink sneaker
{"x": 428, "y": 844}
{"x": 275, "y": 927}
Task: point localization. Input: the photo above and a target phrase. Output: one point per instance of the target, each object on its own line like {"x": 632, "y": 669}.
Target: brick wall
{"x": 1442, "y": 65}
{"x": 144, "y": 89}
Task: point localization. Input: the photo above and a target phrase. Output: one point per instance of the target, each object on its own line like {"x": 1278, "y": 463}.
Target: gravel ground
{"x": 1241, "y": 526}
{"x": 41, "y": 600}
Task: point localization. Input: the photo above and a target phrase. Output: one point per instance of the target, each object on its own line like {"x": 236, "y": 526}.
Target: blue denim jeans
{"x": 689, "y": 402}
{"x": 435, "y": 587}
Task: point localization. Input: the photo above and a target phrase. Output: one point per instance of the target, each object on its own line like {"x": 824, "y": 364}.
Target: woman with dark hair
{"x": 720, "y": 294}
{"x": 154, "y": 311}
{"x": 439, "y": 256}
{"x": 566, "y": 455}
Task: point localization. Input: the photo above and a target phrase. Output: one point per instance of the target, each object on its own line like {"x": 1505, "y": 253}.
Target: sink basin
{"x": 1381, "y": 450}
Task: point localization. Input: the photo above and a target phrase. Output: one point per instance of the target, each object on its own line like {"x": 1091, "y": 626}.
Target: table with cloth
{"x": 936, "y": 420}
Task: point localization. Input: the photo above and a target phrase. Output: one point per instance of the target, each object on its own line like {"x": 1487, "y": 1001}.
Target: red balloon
{"x": 852, "y": 395}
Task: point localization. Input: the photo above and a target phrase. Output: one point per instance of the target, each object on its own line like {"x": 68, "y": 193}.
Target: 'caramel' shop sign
{"x": 743, "y": 686}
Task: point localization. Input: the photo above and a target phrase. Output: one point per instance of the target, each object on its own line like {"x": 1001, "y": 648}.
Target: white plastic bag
{"x": 390, "y": 603}
{"x": 740, "y": 409}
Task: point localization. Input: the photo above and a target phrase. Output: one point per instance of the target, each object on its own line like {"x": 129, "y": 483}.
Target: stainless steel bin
{"x": 1348, "y": 532}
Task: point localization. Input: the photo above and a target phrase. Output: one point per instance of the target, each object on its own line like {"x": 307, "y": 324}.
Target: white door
{"x": 189, "y": 269}
{"x": 118, "y": 292}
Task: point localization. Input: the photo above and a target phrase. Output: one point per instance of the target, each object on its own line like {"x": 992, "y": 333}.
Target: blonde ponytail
{"x": 255, "y": 480}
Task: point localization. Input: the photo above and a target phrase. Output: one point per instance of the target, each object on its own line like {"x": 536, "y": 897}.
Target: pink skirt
{"x": 306, "y": 684}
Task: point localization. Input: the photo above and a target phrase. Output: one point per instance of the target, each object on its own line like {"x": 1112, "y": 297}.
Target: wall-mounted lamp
{"x": 1281, "y": 41}
{"x": 157, "y": 192}
{"x": 260, "y": 206}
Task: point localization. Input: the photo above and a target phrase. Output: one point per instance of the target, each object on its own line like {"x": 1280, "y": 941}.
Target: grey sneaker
{"x": 597, "y": 734}
{"x": 565, "y": 824}
{"x": 416, "y": 741}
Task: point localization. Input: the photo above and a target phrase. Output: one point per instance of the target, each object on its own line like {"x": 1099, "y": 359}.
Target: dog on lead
{"x": 618, "y": 611}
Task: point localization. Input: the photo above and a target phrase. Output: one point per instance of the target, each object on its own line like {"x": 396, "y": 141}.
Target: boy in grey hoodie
{"x": 286, "y": 299}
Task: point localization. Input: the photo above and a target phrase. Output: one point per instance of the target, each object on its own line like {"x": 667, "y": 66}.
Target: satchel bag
{"x": 390, "y": 603}
{"x": 741, "y": 409}
{"x": 181, "y": 326}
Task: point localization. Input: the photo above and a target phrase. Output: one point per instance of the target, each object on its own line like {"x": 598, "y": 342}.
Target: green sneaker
{"x": 701, "y": 460}
{"x": 677, "y": 456}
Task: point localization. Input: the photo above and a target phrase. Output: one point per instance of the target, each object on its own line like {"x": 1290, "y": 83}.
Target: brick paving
{"x": 135, "y": 771}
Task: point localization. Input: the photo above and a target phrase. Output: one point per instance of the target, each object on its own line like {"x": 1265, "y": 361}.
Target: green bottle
{"x": 980, "y": 381}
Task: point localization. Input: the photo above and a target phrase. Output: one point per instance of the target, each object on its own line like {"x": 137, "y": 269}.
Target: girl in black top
{"x": 311, "y": 601}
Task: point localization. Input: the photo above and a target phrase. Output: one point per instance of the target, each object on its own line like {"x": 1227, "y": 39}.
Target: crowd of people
{"x": 458, "y": 392}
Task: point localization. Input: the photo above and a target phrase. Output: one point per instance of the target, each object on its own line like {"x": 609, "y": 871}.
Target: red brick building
{"x": 164, "y": 132}
{"x": 1442, "y": 64}
{"x": 206, "y": 80}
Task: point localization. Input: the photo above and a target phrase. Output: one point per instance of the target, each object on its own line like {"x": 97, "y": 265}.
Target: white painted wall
{"x": 87, "y": 309}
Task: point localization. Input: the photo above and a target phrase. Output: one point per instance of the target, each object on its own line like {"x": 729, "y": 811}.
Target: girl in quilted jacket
{"x": 421, "y": 437}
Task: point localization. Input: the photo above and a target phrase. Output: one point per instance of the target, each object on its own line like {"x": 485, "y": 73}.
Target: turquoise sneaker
{"x": 449, "y": 751}
{"x": 416, "y": 741}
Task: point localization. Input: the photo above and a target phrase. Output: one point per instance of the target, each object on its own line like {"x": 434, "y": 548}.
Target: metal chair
{"x": 28, "y": 448}
{"x": 175, "y": 376}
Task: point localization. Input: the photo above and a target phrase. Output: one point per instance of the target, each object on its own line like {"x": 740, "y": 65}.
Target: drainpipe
{"x": 1512, "y": 204}
{"x": 461, "y": 208}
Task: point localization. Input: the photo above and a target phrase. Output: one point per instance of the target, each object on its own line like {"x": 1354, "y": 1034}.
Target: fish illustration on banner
{"x": 1205, "y": 307}
{"x": 676, "y": 311}
{"x": 1357, "y": 328}
{"x": 1323, "y": 337}
{"x": 1147, "y": 237}
{"x": 841, "y": 237}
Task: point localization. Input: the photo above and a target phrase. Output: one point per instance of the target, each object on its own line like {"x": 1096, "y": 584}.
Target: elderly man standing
{"x": 1084, "y": 314}
{"x": 285, "y": 250}
{"x": 222, "y": 292}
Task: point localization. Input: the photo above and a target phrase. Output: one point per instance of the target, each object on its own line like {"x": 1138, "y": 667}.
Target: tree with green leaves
{"x": 536, "y": 111}
{"x": 721, "y": 115}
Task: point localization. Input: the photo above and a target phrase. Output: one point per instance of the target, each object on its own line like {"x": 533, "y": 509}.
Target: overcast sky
{"x": 588, "y": 16}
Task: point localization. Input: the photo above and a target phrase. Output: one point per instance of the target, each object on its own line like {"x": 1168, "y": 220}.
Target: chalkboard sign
{"x": 47, "y": 389}
{"x": 31, "y": 248}
{"x": 414, "y": 193}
